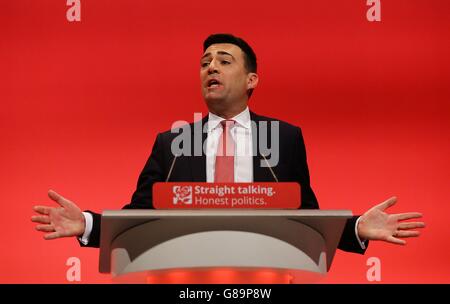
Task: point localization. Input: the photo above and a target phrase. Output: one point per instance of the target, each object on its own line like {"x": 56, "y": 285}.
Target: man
{"x": 228, "y": 77}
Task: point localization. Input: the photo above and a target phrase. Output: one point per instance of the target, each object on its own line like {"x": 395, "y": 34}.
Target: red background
{"x": 82, "y": 102}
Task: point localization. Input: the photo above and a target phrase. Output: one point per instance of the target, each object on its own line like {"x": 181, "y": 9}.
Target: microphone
{"x": 171, "y": 167}
{"x": 270, "y": 168}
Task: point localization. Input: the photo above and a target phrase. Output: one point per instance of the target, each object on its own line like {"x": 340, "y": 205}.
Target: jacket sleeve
{"x": 348, "y": 241}
{"x": 301, "y": 173}
{"x": 94, "y": 237}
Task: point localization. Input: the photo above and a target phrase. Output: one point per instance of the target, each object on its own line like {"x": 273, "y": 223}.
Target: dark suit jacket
{"x": 292, "y": 166}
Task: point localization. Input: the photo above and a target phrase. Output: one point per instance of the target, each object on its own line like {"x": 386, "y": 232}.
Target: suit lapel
{"x": 260, "y": 174}
{"x": 198, "y": 163}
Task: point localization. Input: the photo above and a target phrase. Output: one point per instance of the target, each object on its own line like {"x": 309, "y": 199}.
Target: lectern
{"x": 136, "y": 244}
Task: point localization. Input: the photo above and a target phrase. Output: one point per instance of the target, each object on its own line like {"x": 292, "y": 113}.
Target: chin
{"x": 215, "y": 103}
{"x": 213, "y": 98}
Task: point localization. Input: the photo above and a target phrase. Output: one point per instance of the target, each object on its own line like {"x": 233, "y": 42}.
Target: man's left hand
{"x": 376, "y": 224}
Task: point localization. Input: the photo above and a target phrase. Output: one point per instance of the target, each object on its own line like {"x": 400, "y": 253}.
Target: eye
{"x": 225, "y": 62}
{"x": 204, "y": 64}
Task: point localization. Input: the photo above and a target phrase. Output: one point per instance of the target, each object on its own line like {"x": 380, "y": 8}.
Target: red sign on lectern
{"x": 175, "y": 195}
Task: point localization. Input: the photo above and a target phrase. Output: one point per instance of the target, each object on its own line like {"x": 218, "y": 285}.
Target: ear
{"x": 252, "y": 80}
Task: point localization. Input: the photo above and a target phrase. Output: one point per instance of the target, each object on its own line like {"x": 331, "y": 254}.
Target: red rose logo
{"x": 182, "y": 194}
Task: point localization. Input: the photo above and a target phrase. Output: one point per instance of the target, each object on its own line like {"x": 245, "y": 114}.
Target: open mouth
{"x": 213, "y": 83}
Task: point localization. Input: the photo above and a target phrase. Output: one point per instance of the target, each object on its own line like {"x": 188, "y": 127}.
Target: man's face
{"x": 223, "y": 75}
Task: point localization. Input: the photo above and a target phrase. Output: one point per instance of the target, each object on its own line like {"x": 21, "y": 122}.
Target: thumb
{"x": 386, "y": 204}
{"x": 62, "y": 201}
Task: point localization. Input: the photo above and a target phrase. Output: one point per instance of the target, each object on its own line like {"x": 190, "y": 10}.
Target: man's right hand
{"x": 64, "y": 221}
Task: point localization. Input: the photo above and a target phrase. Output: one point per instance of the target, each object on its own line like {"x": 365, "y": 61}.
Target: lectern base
{"x": 220, "y": 246}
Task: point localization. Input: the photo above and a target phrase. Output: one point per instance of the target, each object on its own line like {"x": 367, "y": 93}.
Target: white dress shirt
{"x": 241, "y": 132}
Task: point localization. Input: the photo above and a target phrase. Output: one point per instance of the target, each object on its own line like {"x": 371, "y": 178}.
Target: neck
{"x": 228, "y": 112}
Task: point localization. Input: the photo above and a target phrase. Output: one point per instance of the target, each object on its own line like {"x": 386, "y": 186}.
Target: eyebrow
{"x": 218, "y": 52}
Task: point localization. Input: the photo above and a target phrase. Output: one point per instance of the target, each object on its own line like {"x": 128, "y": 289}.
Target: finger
{"x": 407, "y": 216}
{"x": 61, "y": 200}
{"x": 387, "y": 203}
{"x": 395, "y": 240}
{"x": 42, "y": 209}
{"x": 52, "y": 236}
{"x": 411, "y": 225}
{"x": 45, "y": 228}
{"x": 43, "y": 219}
{"x": 406, "y": 234}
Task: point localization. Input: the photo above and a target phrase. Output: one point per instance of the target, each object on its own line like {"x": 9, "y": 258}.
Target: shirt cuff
{"x": 84, "y": 239}
{"x": 361, "y": 243}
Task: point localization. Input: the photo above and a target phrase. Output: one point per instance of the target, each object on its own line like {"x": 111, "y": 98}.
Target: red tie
{"x": 224, "y": 172}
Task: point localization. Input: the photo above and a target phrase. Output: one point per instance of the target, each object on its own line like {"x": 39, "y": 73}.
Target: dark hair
{"x": 249, "y": 55}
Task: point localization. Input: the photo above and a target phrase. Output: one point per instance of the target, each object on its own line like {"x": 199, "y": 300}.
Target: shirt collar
{"x": 242, "y": 119}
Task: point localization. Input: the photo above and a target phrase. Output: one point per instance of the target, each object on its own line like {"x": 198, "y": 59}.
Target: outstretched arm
{"x": 378, "y": 225}
{"x": 64, "y": 221}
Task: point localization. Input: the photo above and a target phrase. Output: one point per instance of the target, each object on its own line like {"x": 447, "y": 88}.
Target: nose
{"x": 212, "y": 68}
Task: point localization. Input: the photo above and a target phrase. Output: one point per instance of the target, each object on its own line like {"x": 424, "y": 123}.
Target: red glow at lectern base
{"x": 220, "y": 276}
{"x": 230, "y": 276}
